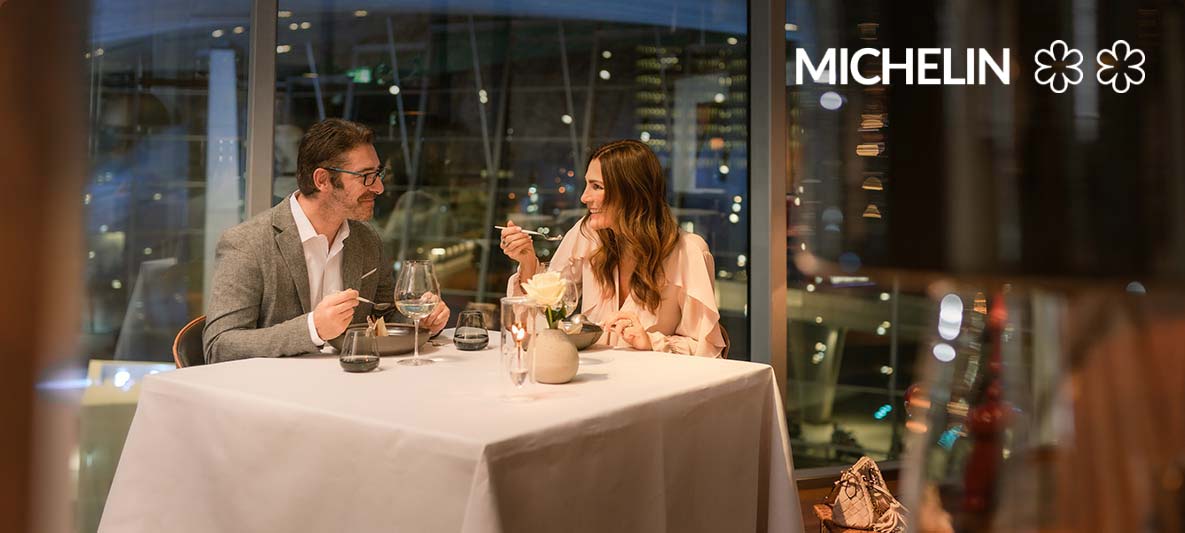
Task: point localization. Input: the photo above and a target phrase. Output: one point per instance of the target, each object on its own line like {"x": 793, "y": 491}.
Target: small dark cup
{"x": 358, "y": 352}
{"x": 471, "y": 333}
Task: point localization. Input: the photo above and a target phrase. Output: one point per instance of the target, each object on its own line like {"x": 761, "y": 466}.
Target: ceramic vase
{"x": 554, "y": 357}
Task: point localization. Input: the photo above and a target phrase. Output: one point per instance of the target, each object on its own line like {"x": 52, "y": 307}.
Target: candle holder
{"x": 518, "y": 325}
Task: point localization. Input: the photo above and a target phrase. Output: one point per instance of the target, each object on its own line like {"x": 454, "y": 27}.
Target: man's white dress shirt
{"x": 323, "y": 262}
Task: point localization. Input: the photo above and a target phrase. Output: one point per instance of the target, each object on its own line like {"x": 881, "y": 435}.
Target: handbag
{"x": 860, "y": 500}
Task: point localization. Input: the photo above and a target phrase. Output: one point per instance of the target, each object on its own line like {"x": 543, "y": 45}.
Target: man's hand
{"x": 332, "y": 316}
{"x": 439, "y": 317}
{"x": 630, "y": 328}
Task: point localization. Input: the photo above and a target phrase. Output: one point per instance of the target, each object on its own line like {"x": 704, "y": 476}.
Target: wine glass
{"x": 417, "y": 293}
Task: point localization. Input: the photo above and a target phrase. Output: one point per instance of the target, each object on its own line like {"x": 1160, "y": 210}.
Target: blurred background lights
{"x": 944, "y": 352}
{"x": 831, "y": 100}
{"x": 950, "y": 316}
{"x": 951, "y": 308}
{"x": 121, "y": 379}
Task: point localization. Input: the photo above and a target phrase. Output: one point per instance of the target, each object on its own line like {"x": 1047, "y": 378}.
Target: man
{"x": 289, "y": 279}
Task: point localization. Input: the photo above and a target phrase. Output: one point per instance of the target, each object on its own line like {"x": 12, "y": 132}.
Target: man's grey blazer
{"x": 260, "y": 294}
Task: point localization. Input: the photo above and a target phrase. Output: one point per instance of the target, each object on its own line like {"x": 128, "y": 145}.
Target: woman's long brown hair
{"x": 636, "y": 197}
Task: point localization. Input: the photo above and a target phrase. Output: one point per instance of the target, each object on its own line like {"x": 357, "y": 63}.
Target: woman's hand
{"x": 519, "y": 247}
{"x": 630, "y": 328}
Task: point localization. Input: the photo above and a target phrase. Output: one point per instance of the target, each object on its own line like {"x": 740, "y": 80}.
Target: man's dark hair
{"x": 324, "y": 145}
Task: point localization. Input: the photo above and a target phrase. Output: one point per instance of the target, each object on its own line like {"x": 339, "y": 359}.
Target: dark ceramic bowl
{"x": 399, "y": 339}
{"x": 586, "y": 337}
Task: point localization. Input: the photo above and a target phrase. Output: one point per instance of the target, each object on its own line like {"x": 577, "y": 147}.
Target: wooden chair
{"x": 187, "y": 346}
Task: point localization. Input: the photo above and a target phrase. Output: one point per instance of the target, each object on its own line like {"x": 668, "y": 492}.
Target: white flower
{"x": 546, "y": 289}
{"x": 1058, "y": 66}
{"x": 1110, "y": 62}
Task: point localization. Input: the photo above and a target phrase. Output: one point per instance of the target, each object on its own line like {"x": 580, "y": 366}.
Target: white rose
{"x": 546, "y": 289}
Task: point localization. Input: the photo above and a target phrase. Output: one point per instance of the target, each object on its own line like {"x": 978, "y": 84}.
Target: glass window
{"x": 849, "y": 331}
{"x": 993, "y": 180}
{"x": 167, "y": 93}
{"x": 488, "y": 113}
{"x": 167, "y": 112}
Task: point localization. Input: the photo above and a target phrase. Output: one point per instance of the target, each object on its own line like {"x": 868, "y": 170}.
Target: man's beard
{"x": 355, "y": 209}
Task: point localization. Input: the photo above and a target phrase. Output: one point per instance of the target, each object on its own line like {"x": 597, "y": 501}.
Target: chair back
{"x": 727, "y": 342}
{"x": 187, "y": 346}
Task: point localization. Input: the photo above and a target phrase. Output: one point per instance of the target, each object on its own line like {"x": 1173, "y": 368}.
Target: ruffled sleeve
{"x": 698, "y": 332}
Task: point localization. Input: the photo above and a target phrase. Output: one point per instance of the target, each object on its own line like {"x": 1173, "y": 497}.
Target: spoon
{"x": 537, "y": 234}
{"x": 574, "y": 324}
{"x": 377, "y": 307}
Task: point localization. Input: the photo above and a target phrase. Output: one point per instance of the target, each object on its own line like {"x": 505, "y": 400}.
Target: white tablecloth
{"x": 638, "y": 441}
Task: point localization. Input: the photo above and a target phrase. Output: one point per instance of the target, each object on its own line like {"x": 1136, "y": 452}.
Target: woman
{"x": 648, "y": 283}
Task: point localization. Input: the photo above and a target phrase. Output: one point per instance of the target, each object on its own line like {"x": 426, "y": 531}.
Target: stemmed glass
{"x": 417, "y": 293}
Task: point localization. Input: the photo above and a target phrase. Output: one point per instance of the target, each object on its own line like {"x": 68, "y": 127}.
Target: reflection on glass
{"x": 167, "y": 93}
{"x": 166, "y": 119}
{"x": 847, "y": 340}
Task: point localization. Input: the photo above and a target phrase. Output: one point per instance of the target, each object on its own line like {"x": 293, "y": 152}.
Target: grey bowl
{"x": 399, "y": 339}
{"x": 586, "y": 337}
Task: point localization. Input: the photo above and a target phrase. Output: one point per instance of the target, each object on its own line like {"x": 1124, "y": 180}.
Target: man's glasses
{"x": 368, "y": 178}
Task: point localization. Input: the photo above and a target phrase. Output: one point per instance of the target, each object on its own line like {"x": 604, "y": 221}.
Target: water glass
{"x": 471, "y": 333}
{"x": 358, "y": 352}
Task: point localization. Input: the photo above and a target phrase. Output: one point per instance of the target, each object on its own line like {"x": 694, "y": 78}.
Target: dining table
{"x": 636, "y": 442}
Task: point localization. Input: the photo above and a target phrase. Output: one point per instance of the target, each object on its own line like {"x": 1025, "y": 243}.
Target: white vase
{"x": 555, "y": 358}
